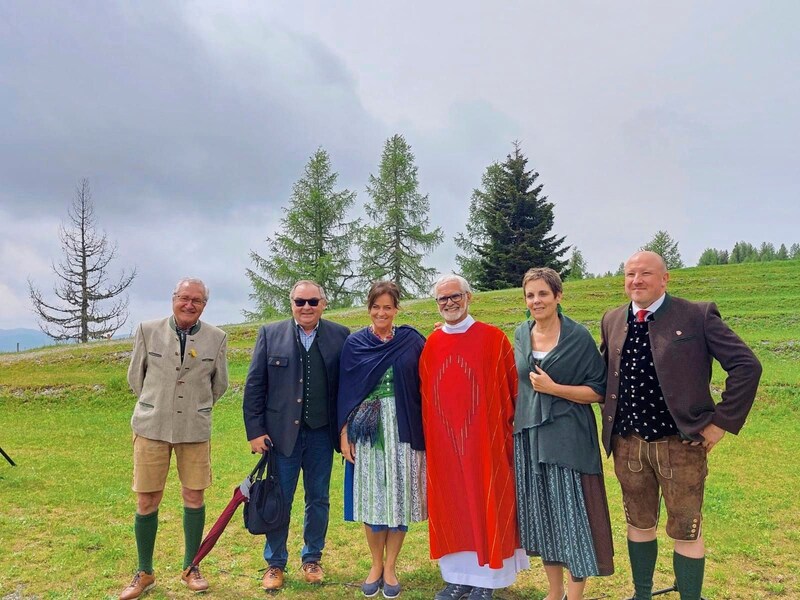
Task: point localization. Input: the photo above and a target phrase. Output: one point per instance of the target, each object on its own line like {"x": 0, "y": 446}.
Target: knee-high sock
{"x": 145, "y": 528}
{"x": 193, "y": 521}
{"x": 643, "y": 563}
{"x": 689, "y": 575}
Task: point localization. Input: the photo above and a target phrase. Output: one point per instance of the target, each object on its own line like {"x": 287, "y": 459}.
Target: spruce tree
{"x": 397, "y": 240}
{"x": 509, "y": 230}
{"x": 476, "y": 235}
{"x": 314, "y": 242}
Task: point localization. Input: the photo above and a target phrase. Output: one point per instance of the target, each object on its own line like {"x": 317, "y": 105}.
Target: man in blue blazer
{"x": 290, "y": 399}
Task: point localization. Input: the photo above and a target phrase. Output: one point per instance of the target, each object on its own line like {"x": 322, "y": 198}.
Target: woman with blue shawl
{"x": 562, "y": 509}
{"x": 380, "y": 420}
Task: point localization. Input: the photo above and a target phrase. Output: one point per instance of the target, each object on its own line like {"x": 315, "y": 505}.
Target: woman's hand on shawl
{"x": 542, "y": 382}
{"x": 580, "y": 394}
{"x": 348, "y": 449}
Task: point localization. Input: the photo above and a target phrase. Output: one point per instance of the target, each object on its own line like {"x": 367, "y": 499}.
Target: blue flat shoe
{"x": 391, "y": 591}
{"x": 371, "y": 589}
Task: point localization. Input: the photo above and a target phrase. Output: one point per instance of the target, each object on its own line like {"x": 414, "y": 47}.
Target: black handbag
{"x": 266, "y": 510}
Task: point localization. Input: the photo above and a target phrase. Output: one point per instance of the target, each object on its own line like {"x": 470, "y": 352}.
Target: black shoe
{"x": 479, "y": 593}
{"x": 453, "y": 591}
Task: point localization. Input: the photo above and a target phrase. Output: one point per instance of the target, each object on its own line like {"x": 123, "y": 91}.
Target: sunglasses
{"x": 442, "y": 300}
{"x": 302, "y": 301}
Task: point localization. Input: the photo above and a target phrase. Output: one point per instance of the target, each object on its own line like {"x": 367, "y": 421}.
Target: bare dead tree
{"x": 83, "y": 273}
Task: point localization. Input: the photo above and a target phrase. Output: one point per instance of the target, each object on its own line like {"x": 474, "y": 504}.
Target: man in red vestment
{"x": 469, "y": 385}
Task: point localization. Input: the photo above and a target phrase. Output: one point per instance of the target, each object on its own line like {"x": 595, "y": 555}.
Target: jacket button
{"x": 608, "y": 418}
{"x": 277, "y": 362}
{"x": 297, "y": 422}
{"x": 177, "y": 368}
{"x": 299, "y": 399}
{"x": 618, "y": 350}
{"x": 616, "y": 374}
{"x": 176, "y": 354}
{"x": 613, "y": 396}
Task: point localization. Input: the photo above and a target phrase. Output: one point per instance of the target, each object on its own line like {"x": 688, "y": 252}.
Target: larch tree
{"x": 89, "y": 306}
{"x": 398, "y": 238}
{"x": 662, "y": 243}
{"x": 314, "y": 242}
{"x": 577, "y": 268}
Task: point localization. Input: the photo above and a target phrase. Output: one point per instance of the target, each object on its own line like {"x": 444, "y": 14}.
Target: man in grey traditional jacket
{"x": 178, "y": 371}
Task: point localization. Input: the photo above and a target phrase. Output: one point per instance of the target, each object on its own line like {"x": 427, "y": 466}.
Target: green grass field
{"x": 66, "y": 511}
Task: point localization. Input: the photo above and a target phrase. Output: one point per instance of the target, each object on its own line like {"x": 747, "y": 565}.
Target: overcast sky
{"x": 192, "y": 121}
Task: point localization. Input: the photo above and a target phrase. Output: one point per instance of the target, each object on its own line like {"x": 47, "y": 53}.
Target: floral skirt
{"x": 387, "y": 484}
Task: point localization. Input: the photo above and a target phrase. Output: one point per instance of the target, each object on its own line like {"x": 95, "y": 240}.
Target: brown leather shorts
{"x": 667, "y": 465}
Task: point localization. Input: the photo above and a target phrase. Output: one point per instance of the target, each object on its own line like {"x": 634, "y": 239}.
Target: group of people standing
{"x": 495, "y": 445}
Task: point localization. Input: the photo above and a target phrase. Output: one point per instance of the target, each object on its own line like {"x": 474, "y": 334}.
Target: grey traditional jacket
{"x": 175, "y": 397}
{"x": 685, "y": 337}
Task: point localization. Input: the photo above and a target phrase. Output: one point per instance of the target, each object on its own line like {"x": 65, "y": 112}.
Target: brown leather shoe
{"x": 141, "y": 583}
{"x": 312, "y": 572}
{"x": 193, "y": 580}
{"x": 273, "y": 579}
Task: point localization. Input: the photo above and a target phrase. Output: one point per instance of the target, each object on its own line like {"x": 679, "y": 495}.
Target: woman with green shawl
{"x": 562, "y": 509}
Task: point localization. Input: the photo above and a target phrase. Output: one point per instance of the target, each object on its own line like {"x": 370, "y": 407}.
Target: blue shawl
{"x": 363, "y": 362}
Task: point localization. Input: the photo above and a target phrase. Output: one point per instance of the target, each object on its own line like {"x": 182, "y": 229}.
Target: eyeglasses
{"x": 194, "y": 301}
{"x": 456, "y": 298}
{"x": 302, "y": 301}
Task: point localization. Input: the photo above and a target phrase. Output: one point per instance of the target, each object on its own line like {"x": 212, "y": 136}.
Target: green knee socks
{"x": 643, "y": 563}
{"x": 194, "y": 519}
{"x": 689, "y": 575}
{"x": 145, "y": 528}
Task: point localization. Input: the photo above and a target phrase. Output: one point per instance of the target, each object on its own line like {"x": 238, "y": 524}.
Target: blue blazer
{"x": 273, "y": 392}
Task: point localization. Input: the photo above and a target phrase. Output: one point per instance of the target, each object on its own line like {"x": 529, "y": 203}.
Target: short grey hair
{"x": 308, "y": 282}
{"x": 192, "y": 280}
{"x": 463, "y": 283}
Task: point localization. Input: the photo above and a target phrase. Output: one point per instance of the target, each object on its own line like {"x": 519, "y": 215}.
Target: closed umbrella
{"x": 240, "y": 494}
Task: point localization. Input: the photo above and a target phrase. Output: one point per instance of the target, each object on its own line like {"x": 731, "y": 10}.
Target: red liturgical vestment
{"x": 469, "y": 385}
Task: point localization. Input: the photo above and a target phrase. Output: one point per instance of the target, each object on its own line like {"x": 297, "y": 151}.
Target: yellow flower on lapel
{"x": 193, "y": 353}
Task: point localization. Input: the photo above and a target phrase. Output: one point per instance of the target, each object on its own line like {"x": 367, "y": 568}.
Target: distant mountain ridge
{"x": 26, "y": 338}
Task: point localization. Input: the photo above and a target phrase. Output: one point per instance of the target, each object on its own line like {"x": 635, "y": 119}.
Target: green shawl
{"x": 563, "y": 433}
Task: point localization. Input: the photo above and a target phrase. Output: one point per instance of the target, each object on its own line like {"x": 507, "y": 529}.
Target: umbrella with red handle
{"x": 240, "y": 495}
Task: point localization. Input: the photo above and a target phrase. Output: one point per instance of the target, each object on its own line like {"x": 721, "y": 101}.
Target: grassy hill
{"x": 66, "y": 510}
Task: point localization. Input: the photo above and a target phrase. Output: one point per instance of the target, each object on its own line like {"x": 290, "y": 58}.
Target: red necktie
{"x": 641, "y": 315}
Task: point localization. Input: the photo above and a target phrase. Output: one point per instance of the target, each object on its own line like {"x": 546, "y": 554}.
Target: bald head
{"x": 646, "y": 278}
{"x": 652, "y": 258}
